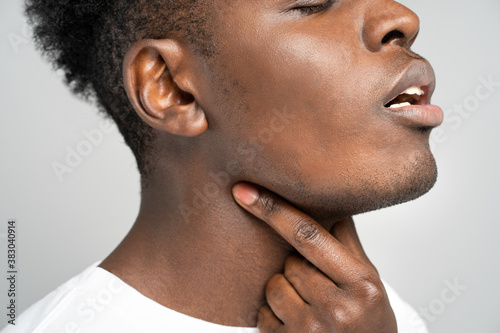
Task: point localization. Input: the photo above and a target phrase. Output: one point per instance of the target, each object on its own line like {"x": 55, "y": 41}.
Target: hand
{"x": 332, "y": 288}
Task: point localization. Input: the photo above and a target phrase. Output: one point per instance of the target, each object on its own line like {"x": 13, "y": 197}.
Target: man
{"x": 259, "y": 128}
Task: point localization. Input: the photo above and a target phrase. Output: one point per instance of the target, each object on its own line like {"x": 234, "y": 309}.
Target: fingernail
{"x": 246, "y": 194}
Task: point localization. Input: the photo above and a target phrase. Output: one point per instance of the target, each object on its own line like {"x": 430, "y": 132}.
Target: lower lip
{"x": 418, "y": 115}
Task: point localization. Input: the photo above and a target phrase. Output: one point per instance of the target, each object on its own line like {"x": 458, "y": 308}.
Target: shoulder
{"x": 409, "y": 321}
{"x": 97, "y": 301}
{"x": 84, "y": 303}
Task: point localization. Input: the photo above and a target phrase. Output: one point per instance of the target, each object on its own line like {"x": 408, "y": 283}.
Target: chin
{"x": 365, "y": 191}
{"x": 409, "y": 182}
{"x": 412, "y": 182}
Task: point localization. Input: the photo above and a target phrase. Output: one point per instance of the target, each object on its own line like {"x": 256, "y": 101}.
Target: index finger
{"x": 306, "y": 235}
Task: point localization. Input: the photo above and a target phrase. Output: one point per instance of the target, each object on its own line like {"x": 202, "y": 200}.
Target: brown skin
{"x": 333, "y": 288}
{"x": 292, "y": 102}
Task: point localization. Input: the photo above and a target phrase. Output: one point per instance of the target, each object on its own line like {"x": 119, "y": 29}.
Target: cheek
{"x": 309, "y": 114}
{"x": 299, "y": 83}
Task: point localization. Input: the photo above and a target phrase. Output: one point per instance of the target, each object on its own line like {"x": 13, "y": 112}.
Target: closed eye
{"x": 316, "y": 8}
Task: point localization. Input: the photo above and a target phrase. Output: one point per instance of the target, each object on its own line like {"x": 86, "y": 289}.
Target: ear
{"x": 160, "y": 84}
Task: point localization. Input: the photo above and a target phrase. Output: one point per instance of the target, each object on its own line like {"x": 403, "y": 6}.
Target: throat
{"x": 213, "y": 269}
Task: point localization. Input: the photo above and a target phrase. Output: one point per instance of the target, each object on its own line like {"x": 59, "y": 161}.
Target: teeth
{"x": 400, "y": 105}
{"x": 407, "y": 97}
{"x": 414, "y": 91}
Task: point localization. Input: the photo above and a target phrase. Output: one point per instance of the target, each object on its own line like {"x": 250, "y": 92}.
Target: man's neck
{"x": 212, "y": 266}
{"x": 200, "y": 254}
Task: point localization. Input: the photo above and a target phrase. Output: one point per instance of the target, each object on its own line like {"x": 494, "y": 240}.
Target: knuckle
{"x": 263, "y": 320}
{"x": 298, "y": 270}
{"x": 269, "y": 205}
{"x": 341, "y": 317}
{"x": 273, "y": 288}
{"x": 314, "y": 325}
{"x": 274, "y": 281}
{"x": 371, "y": 290}
{"x": 346, "y": 318}
{"x": 292, "y": 273}
{"x": 306, "y": 232}
{"x": 261, "y": 315}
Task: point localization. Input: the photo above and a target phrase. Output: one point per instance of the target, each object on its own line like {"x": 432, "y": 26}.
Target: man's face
{"x": 306, "y": 90}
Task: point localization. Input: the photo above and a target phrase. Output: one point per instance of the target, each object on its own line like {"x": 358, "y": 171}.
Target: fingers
{"x": 267, "y": 322}
{"x": 311, "y": 284}
{"x": 302, "y": 232}
{"x": 332, "y": 288}
{"x": 283, "y": 299}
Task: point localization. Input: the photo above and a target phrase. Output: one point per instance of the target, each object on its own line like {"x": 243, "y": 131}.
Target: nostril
{"x": 392, "y": 35}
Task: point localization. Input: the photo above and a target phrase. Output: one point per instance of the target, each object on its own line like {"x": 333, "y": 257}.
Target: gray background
{"x": 450, "y": 234}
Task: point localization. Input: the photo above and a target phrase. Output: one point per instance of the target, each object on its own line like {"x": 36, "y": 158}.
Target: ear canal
{"x": 172, "y": 94}
{"x": 185, "y": 98}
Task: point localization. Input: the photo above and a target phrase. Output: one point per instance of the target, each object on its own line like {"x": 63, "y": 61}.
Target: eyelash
{"x": 315, "y": 9}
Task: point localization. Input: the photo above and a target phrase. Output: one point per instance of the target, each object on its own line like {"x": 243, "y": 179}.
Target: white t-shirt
{"x": 99, "y": 302}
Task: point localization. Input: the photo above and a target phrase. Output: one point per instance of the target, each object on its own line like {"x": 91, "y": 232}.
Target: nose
{"x": 389, "y": 23}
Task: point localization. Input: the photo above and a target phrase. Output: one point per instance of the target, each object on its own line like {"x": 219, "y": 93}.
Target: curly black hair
{"x": 88, "y": 39}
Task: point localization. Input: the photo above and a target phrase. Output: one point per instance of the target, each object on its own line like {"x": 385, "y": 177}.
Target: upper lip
{"x": 418, "y": 74}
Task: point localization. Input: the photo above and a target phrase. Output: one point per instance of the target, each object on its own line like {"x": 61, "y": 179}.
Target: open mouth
{"x": 411, "y": 96}
{"x": 409, "y": 101}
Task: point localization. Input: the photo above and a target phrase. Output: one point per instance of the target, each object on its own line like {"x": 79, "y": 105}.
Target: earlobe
{"x": 160, "y": 87}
